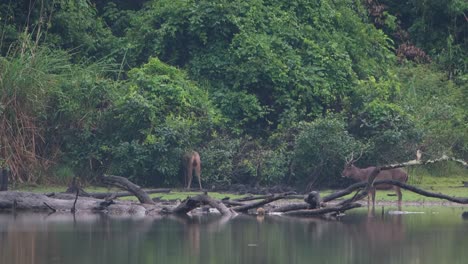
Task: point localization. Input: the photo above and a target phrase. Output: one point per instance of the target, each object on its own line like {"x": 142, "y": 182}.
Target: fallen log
{"x": 229, "y": 202}
{"x": 104, "y": 195}
{"x": 271, "y": 198}
{"x": 124, "y": 183}
{"x": 361, "y": 185}
{"x": 13, "y": 200}
{"x": 312, "y": 201}
{"x": 323, "y": 211}
{"x": 191, "y": 203}
{"x": 251, "y": 198}
{"x": 290, "y": 207}
{"x": 424, "y": 162}
{"x": 460, "y": 200}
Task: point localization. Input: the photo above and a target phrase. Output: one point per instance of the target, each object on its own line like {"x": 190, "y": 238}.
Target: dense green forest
{"x": 268, "y": 91}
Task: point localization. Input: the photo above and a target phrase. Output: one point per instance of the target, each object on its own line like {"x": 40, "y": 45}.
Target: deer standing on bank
{"x": 191, "y": 162}
{"x": 358, "y": 174}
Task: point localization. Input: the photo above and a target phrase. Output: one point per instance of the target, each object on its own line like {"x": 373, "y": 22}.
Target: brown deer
{"x": 358, "y": 174}
{"x": 191, "y": 162}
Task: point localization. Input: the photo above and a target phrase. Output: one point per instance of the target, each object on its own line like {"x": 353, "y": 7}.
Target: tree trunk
{"x": 3, "y": 180}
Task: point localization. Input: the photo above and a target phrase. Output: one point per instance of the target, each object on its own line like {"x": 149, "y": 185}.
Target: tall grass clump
{"x": 37, "y": 86}
{"x": 27, "y": 78}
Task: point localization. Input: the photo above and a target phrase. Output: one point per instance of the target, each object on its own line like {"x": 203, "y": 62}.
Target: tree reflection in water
{"x": 359, "y": 237}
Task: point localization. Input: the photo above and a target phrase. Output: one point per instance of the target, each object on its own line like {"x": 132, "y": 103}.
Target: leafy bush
{"x": 320, "y": 151}
{"x": 377, "y": 118}
{"x": 438, "y": 106}
{"x": 161, "y": 115}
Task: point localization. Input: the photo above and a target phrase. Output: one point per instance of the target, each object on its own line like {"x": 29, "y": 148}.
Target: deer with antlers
{"x": 191, "y": 162}
{"x": 362, "y": 174}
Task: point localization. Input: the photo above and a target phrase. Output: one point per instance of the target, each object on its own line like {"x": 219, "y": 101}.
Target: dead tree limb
{"x": 291, "y": 207}
{"x": 271, "y": 198}
{"x": 50, "y": 207}
{"x": 344, "y": 192}
{"x": 125, "y": 184}
{"x": 362, "y": 185}
{"x": 251, "y": 198}
{"x": 124, "y": 194}
{"x": 229, "y": 202}
{"x": 312, "y": 201}
{"x": 322, "y": 211}
{"x": 25, "y": 201}
{"x": 193, "y": 202}
{"x": 73, "y": 210}
{"x": 460, "y": 200}
{"x": 424, "y": 162}
{"x": 76, "y": 188}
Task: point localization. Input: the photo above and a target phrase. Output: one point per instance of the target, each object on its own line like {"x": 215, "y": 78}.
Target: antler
{"x": 351, "y": 159}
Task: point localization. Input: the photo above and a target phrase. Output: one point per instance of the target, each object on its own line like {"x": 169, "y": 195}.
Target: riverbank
{"x": 451, "y": 186}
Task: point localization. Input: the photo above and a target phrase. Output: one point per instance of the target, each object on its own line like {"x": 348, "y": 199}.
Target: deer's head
{"x": 349, "y": 168}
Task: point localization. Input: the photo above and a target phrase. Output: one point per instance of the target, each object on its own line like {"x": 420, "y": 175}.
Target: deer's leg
{"x": 372, "y": 192}
{"x": 198, "y": 174}
{"x": 400, "y": 196}
{"x": 189, "y": 176}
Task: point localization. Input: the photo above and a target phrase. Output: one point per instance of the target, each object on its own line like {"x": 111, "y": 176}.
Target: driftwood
{"x": 124, "y": 183}
{"x": 272, "y": 198}
{"x": 312, "y": 201}
{"x": 362, "y": 185}
{"x": 12, "y": 200}
{"x": 193, "y": 202}
{"x": 424, "y": 162}
{"x": 251, "y": 198}
{"x": 323, "y": 211}
{"x": 103, "y": 195}
{"x": 460, "y": 200}
{"x": 229, "y": 202}
{"x": 290, "y": 207}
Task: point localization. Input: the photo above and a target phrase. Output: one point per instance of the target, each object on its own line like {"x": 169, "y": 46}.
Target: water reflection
{"x": 360, "y": 237}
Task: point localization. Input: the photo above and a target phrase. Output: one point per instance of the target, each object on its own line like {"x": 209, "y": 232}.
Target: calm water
{"x": 438, "y": 235}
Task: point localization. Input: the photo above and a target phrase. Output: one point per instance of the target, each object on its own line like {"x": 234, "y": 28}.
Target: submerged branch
{"x": 323, "y": 211}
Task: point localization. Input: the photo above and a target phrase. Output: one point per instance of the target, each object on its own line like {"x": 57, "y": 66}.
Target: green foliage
{"x": 438, "y": 27}
{"x": 161, "y": 115}
{"x": 28, "y": 79}
{"x": 269, "y": 58}
{"x": 439, "y": 108}
{"x": 228, "y": 160}
{"x": 320, "y": 152}
{"x": 78, "y": 112}
{"x": 378, "y": 118}
{"x": 218, "y": 162}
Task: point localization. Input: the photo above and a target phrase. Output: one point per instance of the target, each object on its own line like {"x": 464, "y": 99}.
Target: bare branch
{"x": 322, "y": 211}
{"x": 193, "y": 202}
{"x": 124, "y": 183}
{"x": 421, "y": 162}
{"x": 245, "y": 208}
{"x": 361, "y": 185}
